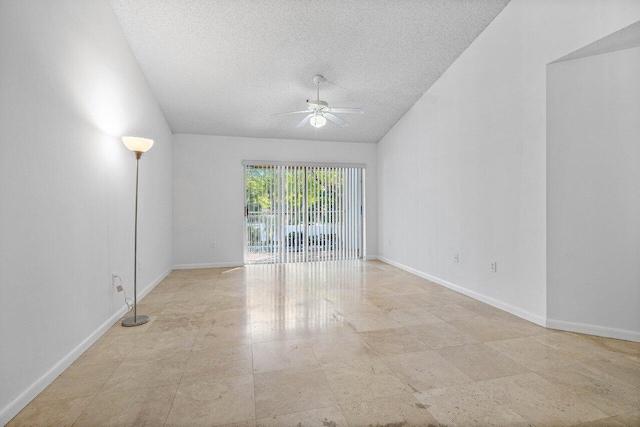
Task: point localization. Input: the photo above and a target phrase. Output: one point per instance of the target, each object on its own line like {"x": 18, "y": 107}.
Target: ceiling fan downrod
{"x": 317, "y": 79}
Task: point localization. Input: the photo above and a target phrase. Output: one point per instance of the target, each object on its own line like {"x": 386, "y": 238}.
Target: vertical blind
{"x": 303, "y": 213}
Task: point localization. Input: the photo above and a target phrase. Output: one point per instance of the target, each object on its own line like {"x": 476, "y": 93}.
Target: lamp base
{"x": 140, "y": 319}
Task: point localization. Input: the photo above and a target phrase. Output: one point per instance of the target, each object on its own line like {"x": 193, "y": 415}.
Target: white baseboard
{"x": 371, "y": 257}
{"x": 600, "y": 331}
{"x": 475, "y": 295}
{"x": 18, "y": 404}
{"x": 209, "y": 265}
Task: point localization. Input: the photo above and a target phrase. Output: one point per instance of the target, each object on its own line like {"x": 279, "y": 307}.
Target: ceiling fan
{"x": 319, "y": 111}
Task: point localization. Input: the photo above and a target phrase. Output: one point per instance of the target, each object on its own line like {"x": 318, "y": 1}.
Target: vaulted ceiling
{"x": 223, "y": 67}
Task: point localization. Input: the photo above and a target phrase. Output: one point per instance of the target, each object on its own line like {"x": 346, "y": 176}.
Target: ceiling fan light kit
{"x": 318, "y": 121}
{"x": 318, "y": 112}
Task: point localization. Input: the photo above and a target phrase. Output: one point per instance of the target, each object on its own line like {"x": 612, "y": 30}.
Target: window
{"x": 303, "y": 212}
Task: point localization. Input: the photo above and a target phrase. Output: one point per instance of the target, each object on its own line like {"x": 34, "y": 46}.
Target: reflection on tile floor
{"x": 337, "y": 344}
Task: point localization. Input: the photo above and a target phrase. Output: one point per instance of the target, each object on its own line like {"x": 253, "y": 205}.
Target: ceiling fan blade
{"x": 346, "y": 110}
{"x": 335, "y": 119}
{"x": 291, "y": 112}
{"x": 304, "y": 121}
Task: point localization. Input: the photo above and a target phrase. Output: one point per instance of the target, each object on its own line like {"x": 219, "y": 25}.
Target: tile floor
{"x": 337, "y": 344}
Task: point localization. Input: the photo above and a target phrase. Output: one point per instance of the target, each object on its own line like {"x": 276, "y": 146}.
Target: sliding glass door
{"x": 303, "y": 213}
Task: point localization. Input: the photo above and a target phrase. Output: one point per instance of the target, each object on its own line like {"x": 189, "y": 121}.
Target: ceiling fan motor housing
{"x": 318, "y": 105}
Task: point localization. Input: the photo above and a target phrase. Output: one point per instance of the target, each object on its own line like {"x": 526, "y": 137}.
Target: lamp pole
{"x": 138, "y": 146}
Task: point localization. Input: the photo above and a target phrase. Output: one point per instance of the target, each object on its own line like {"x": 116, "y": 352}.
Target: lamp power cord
{"x": 120, "y": 288}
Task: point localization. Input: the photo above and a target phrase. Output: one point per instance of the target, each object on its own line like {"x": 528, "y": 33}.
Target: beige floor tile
{"x": 228, "y": 302}
{"x": 435, "y": 298}
{"x": 251, "y": 423}
{"x": 540, "y": 401}
{"x": 485, "y": 330}
{"x": 194, "y": 298}
{"x": 413, "y": 316}
{"x": 361, "y": 379}
{"x": 340, "y": 348}
{"x": 333, "y": 325}
{"x": 63, "y": 412}
{"x": 619, "y": 346}
{"x": 326, "y": 309}
{"x": 325, "y": 417}
{"x": 223, "y": 336}
{"x": 625, "y": 368}
{"x": 212, "y": 364}
{"x": 603, "y": 391}
{"x": 370, "y": 321}
{"x": 109, "y": 349}
{"x": 425, "y": 370}
{"x": 184, "y": 307}
{"x": 79, "y": 380}
{"x": 152, "y": 343}
{"x": 142, "y": 407}
{"x": 450, "y": 312}
{"x": 231, "y": 289}
{"x": 148, "y": 371}
{"x": 391, "y": 302}
{"x": 404, "y": 287}
{"x": 314, "y": 308}
{"x": 469, "y": 405}
{"x": 485, "y": 310}
{"x": 400, "y": 410}
{"x": 631, "y": 419}
{"x": 439, "y": 335}
{"x": 378, "y": 291}
{"x": 228, "y": 400}
{"x": 356, "y": 306}
{"x": 291, "y": 390}
{"x": 605, "y": 422}
{"x": 281, "y": 330}
{"x": 170, "y": 322}
{"x": 393, "y": 341}
{"x": 480, "y": 362}
{"x": 169, "y": 287}
{"x": 275, "y": 355}
{"x": 576, "y": 346}
{"x": 157, "y": 298}
{"x": 269, "y": 313}
{"x": 532, "y": 354}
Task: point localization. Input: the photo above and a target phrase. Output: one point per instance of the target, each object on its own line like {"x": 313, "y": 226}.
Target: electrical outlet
{"x": 456, "y": 258}
{"x": 494, "y": 267}
{"x": 212, "y": 245}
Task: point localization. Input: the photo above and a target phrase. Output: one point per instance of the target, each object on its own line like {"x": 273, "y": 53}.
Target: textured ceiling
{"x": 223, "y": 67}
{"x": 626, "y": 38}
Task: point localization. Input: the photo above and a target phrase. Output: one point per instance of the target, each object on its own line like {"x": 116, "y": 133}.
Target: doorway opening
{"x": 303, "y": 213}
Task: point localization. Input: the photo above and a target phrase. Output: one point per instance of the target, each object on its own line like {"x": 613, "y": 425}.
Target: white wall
{"x": 464, "y": 170}
{"x": 593, "y": 194}
{"x": 208, "y": 190}
{"x": 70, "y": 87}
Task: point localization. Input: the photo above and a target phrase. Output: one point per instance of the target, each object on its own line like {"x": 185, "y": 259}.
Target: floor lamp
{"x": 138, "y": 146}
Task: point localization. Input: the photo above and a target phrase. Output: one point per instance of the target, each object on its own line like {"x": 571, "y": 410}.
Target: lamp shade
{"x": 318, "y": 121}
{"x": 137, "y": 145}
